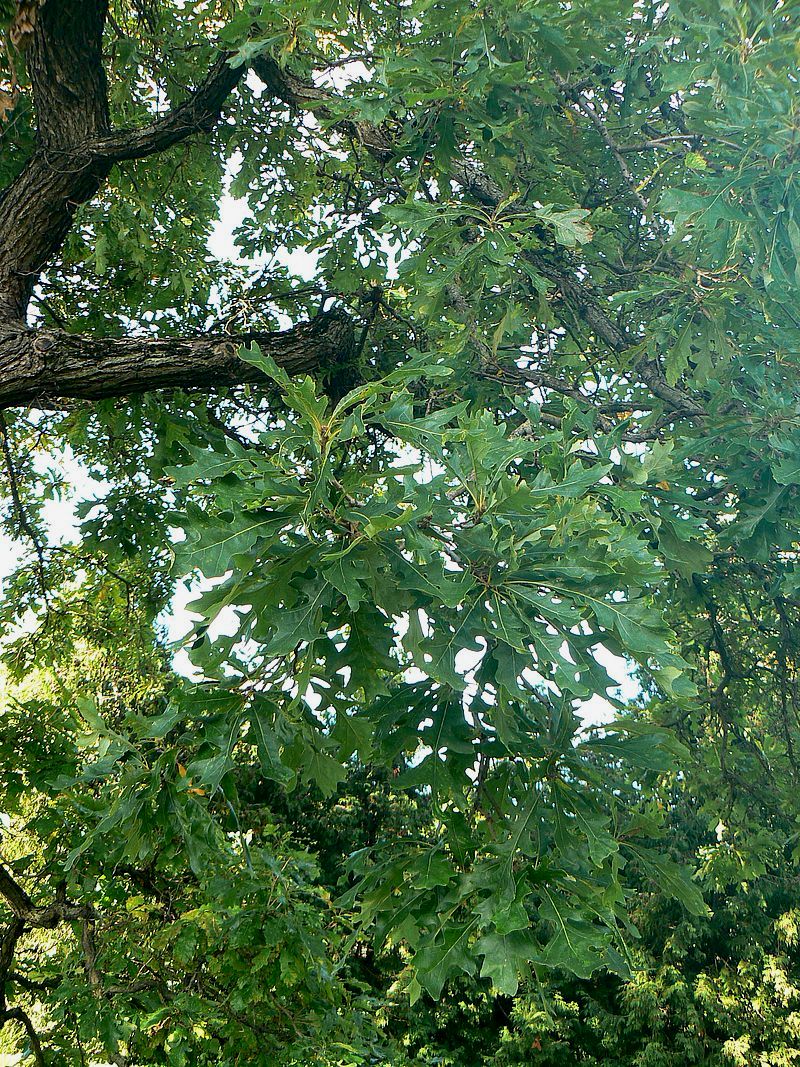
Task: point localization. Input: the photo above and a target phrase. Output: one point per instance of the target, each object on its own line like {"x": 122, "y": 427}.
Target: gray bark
{"x": 42, "y": 366}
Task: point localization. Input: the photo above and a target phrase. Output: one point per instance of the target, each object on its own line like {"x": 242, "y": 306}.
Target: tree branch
{"x": 592, "y": 115}
{"x": 44, "y": 917}
{"x": 37, "y": 210}
{"x": 17, "y": 1015}
{"x": 30, "y": 985}
{"x": 39, "y": 366}
{"x": 64, "y": 61}
{"x": 76, "y": 147}
{"x": 65, "y": 64}
{"x": 8, "y": 946}
{"x": 577, "y": 294}
{"x": 20, "y": 1016}
{"x": 198, "y": 114}
{"x": 23, "y": 522}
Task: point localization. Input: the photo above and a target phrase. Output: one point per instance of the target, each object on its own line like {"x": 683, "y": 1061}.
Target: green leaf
{"x": 444, "y": 955}
{"x": 672, "y": 878}
{"x": 568, "y": 225}
{"x": 324, "y": 771}
{"x": 506, "y": 957}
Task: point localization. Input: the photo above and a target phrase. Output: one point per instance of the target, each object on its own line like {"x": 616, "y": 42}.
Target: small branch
{"x": 19, "y": 508}
{"x": 18, "y": 1015}
{"x": 678, "y": 138}
{"x": 588, "y": 110}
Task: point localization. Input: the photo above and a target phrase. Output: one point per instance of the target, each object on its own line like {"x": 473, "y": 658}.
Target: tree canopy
{"x": 499, "y": 389}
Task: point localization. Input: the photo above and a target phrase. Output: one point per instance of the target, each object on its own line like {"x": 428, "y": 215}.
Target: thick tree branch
{"x": 36, "y": 214}
{"x": 76, "y": 147}
{"x": 38, "y": 366}
{"x": 379, "y": 141}
{"x": 68, "y": 79}
{"x": 45, "y": 916}
{"x": 69, "y": 94}
{"x": 16, "y": 897}
{"x": 198, "y": 114}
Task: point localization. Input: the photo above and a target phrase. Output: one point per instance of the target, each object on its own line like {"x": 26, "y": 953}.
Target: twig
{"x": 18, "y": 1015}
{"x": 22, "y": 518}
{"x": 588, "y": 110}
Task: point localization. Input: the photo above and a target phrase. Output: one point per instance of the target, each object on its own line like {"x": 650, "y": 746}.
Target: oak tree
{"x": 500, "y": 385}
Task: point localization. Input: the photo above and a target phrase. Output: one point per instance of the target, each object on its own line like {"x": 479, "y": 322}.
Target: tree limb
{"x": 198, "y": 114}
{"x": 8, "y": 946}
{"x": 39, "y": 366}
{"x": 65, "y": 65}
{"x": 596, "y": 120}
{"x": 20, "y": 1016}
{"x": 31, "y": 985}
{"x": 46, "y": 916}
{"x": 577, "y": 294}
{"x": 76, "y": 147}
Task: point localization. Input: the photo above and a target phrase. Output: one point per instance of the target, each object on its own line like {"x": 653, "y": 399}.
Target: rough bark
{"x": 198, "y": 114}
{"x": 76, "y": 150}
{"x": 41, "y": 366}
{"x": 69, "y": 94}
{"x": 36, "y": 213}
{"x": 76, "y": 146}
{"x": 67, "y": 74}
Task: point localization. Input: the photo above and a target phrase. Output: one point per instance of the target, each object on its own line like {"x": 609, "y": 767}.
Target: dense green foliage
{"x": 372, "y": 822}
